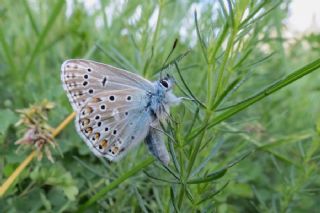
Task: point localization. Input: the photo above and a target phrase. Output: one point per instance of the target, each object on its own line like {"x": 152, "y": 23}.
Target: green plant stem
{"x": 222, "y": 68}
{"x": 192, "y": 161}
{"x": 209, "y": 83}
{"x": 116, "y": 183}
{"x": 181, "y": 195}
{"x": 198, "y": 146}
{"x": 268, "y": 91}
{"x": 264, "y": 93}
{"x": 7, "y": 54}
{"x": 55, "y": 12}
{"x": 154, "y": 39}
{"x": 29, "y": 13}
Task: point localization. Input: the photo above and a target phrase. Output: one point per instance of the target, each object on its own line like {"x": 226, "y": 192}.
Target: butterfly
{"x": 116, "y": 109}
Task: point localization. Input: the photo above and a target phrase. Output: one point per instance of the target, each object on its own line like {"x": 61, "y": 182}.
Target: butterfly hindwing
{"x": 83, "y": 79}
{"x": 114, "y": 121}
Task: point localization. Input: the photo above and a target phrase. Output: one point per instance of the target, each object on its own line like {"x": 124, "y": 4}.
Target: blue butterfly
{"x": 116, "y": 109}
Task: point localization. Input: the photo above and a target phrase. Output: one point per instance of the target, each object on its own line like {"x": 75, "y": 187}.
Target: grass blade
{"x": 174, "y": 157}
{"x": 173, "y": 200}
{"x": 6, "y": 51}
{"x": 217, "y": 174}
{"x": 186, "y": 86}
{"x": 211, "y": 195}
{"x": 208, "y": 178}
{"x": 84, "y": 164}
{"x": 33, "y": 23}
{"x": 161, "y": 179}
{"x": 116, "y": 183}
{"x": 202, "y": 44}
{"x": 231, "y": 86}
{"x": 55, "y": 12}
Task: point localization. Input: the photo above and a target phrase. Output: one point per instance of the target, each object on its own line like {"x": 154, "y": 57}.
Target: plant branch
{"x": 5, "y": 186}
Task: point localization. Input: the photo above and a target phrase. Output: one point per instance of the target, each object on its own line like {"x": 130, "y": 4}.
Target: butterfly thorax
{"x": 160, "y": 101}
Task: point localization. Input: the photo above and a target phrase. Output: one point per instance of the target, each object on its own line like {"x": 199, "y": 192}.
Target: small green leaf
{"x": 7, "y": 118}
{"x": 70, "y": 192}
{"x": 217, "y": 174}
{"x": 173, "y": 200}
{"x": 213, "y": 176}
{"x": 58, "y": 177}
{"x": 212, "y": 194}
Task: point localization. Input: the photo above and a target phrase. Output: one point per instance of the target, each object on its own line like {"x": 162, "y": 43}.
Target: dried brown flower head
{"x": 37, "y": 132}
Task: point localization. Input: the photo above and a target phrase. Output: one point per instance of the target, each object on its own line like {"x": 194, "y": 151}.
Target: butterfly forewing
{"x": 83, "y": 79}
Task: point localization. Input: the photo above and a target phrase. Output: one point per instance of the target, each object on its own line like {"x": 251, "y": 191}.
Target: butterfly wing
{"x": 83, "y": 79}
{"x": 112, "y": 122}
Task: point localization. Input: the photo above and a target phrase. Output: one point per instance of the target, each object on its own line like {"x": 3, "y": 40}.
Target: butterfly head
{"x": 167, "y": 83}
{"x": 164, "y": 93}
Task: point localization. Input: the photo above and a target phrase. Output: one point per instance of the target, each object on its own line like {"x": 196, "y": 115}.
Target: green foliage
{"x": 8, "y": 119}
{"x": 249, "y": 140}
{"x": 57, "y": 177}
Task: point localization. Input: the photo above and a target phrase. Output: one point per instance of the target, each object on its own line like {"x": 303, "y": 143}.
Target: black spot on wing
{"x": 104, "y": 81}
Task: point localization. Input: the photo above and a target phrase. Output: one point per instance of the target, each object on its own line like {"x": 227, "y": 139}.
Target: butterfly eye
{"x": 164, "y": 83}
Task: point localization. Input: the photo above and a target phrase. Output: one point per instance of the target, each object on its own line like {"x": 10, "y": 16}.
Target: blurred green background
{"x": 238, "y": 48}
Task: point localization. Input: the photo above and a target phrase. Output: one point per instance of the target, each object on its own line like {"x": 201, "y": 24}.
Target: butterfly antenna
{"x": 172, "y": 62}
{"x": 193, "y": 97}
{"x": 171, "y": 51}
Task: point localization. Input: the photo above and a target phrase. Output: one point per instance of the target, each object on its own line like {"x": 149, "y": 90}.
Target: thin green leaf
{"x": 7, "y": 53}
{"x": 252, "y": 21}
{"x": 161, "y": 179}
{"x": 173, "y": 200}
{"x": 258, "y": 61}
{"x": 268, "y": 91}
{"x": 231, "y": 15}
{"x": 170, "y": 64}
{"x": 174, "y": 157}
{"x": 221, "y": 38}
{"x": 296, "y": 75}
{"x": 195, "y": 117}
{"x": 225, "y": 93}
{"x": 202, "y": 44}
{"x": 88, "y": 167}
{"x": 140, "y": 200}
{"x": 53, "y": 17}
{"x": 211, "y": 195}
{"x": 213, "y": 153}
{"x": 113, "y": 58}
{"x": 123, "y": 60}
{"x": 208, "y": 178}
{"x": 116, "y": 183}
{"x": 189, "y": 194}
{"x": 253, "y": 13}
{"x": 217, "y": 174}
{"x": 166, "y": 168}
{"x": 33, "y": 23}
{"x": 186, "y": 86}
